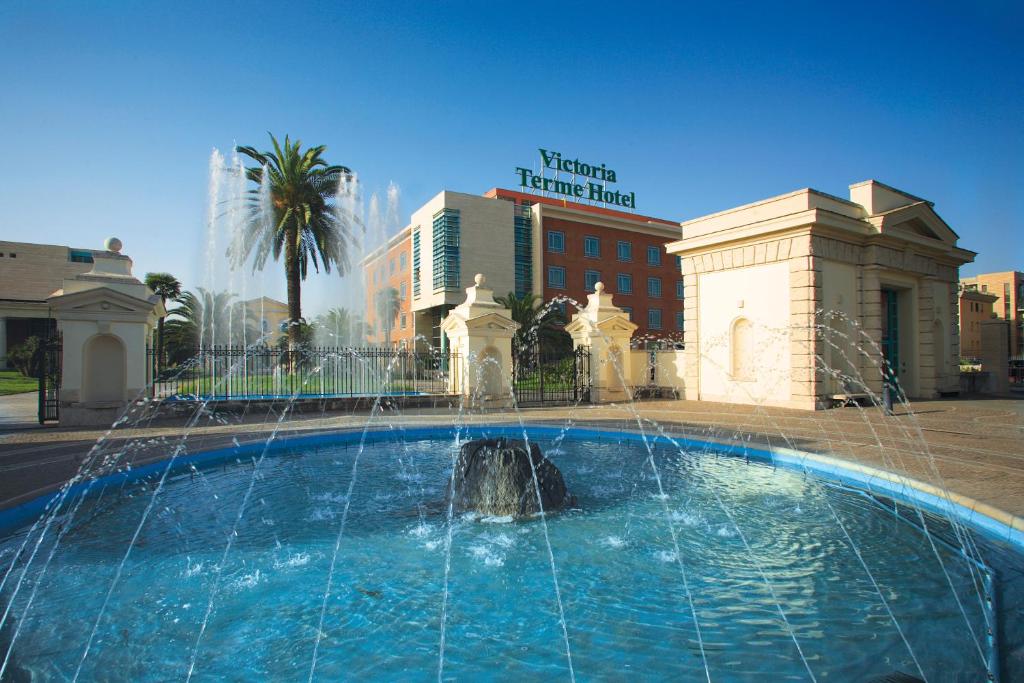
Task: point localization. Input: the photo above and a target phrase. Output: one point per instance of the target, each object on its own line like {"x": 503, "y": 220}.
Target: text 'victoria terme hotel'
{"x": 564, "y": 230}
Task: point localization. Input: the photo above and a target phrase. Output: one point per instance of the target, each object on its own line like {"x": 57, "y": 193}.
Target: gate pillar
{"x": 605, "y": 330}
{"x": 479, "y": 333}
{"x": 106, "y": 318}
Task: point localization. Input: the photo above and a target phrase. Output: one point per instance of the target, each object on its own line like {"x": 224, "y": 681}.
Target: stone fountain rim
{"x": 993, "y": 522}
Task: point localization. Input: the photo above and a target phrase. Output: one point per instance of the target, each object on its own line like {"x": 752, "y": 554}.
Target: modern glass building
{"x": 526, "y": 243}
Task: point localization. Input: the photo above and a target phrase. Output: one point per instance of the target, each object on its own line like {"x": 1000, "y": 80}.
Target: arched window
{"x": 742, "y": 348}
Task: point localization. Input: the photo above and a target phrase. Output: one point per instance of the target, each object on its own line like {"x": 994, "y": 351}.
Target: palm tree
{"x": 537, "y": 323}
{"x": 199, "y": 318}
{"x": 388, "y": 303}
{"x": 304, "y": 225}
{"x": 166, "y": 286}
{"x": 340, "y": 327}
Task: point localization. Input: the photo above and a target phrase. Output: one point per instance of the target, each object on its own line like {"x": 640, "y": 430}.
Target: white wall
{"x": 760, "y": 294}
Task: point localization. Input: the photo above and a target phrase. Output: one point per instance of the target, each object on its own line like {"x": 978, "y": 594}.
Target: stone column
{"x": 870, "y": 343}
{"x": 606, "y": 330}
{"x": 691, "y": 331}
{"x": 479, "y": 333}
{"x": 929, "y": 342}
{"x": 806, "y": 342}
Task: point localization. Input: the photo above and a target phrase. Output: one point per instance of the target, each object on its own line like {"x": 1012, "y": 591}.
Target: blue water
{"x": 626, "y": 610}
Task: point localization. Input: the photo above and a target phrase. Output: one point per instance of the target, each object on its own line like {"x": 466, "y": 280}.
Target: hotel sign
{"x": 586, "y": 181}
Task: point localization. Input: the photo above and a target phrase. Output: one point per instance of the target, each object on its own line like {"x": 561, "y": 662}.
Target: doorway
{"x": 890, "y": 335}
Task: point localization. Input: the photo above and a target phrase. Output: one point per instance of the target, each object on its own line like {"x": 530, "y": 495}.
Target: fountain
{"x": 506, "y": 478}
{"x": 269, "y": 543}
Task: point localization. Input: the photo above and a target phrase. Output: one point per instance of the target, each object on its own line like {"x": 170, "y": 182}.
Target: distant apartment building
{"x": 268, "y": 316}
{"x": 29, "y": 273}
{"x": 975, "y": 308}
{"x": 524, "y": 243}
{"x": 1008, "y": 288}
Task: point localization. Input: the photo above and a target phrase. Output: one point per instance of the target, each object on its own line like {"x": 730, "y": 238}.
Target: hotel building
{"x": 524, "y": 243}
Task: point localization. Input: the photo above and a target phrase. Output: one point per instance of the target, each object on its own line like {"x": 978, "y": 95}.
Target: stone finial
{"x": 113, "y": 245}
{"x": 479, "y": 279}
{"x": 599, "y": 288}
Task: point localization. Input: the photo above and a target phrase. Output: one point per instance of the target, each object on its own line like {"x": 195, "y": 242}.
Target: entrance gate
{"x": 550, "y": 376}
{"x": 49, "y": 364}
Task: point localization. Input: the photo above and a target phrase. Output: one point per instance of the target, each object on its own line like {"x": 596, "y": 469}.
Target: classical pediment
{"x": 492, "y": 321}
{"x": 614, "y": 323}
{"x": 617, "y": 323}
{"x": 915, "y": 222}
{"x": 101, "y": 301}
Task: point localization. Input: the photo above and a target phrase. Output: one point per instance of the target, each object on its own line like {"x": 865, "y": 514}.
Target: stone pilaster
{"x": 870, "y": 342}
{"x": 806, "y": 344}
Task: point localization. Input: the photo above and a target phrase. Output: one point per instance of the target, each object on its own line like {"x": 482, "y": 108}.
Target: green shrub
{"x": 26, "y": 357}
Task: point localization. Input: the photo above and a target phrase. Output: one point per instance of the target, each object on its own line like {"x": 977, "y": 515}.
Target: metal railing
{"x": 233, "y": 372}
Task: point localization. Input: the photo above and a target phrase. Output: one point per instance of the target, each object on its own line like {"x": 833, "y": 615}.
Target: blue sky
{"x": 111, "y": 109}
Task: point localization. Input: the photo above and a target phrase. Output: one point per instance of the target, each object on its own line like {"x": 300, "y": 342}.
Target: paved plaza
{"x": 973, "y": 448}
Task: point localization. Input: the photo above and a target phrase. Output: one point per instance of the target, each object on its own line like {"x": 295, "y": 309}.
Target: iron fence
{"x": 249, "y": 373}
{"x": 546, "y": 376}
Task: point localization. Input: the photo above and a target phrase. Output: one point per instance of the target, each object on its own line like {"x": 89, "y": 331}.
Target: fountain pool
{"x": 681, "y": 562}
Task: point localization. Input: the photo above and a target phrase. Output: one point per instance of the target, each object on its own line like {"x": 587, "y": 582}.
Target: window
{"x": 404, "y": 321}
{"x": 556, "y": 241}
{"x": 591, "y": 247}
{"x": 624, "y": 283}
{"x": 654, "y": 318}
{"x": 391, "y": 267}
{"x": 679, "y": 263}
{"x": 625, "y": 251}
{"x": 679, "y": 289}
{"x": 76, "y": 256}
{"x": 591, "y": 278}
{"x": 679, "y": 321}
{"x": 523, "y": 227}
{"x": 403, "y": 261}
{"x": 403, "y": 291}
{"x": 446, "y": 249}
{"x": 653, "y": 256}
{"x": 628, "y": 310}
{"x": 654, "y": 286}
{"x": 556, "y": 277}
{"x": 374, "y": 277}
{"x": 416, "y": 261}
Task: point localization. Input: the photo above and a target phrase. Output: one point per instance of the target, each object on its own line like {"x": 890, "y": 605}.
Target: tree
{"x": 165, "y": 286}
{"x": 203, "y": 319}
{"x": 340, "y": 327}
{"x": 388, "y": 304}
{"x": 537, "y": 323}
{"x": 295, "y": 217}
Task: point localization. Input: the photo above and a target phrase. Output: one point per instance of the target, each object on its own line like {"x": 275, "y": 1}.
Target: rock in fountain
{"x": 495, "y": 477}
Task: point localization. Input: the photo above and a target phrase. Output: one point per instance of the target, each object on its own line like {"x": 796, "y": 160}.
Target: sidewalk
{"x": 19, "y": 411}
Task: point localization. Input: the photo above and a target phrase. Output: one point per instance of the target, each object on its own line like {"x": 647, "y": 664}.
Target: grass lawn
{"x": 13, "y": 382}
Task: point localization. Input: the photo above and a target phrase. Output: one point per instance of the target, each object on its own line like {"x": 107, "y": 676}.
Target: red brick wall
{"x": 575, "y": 264}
